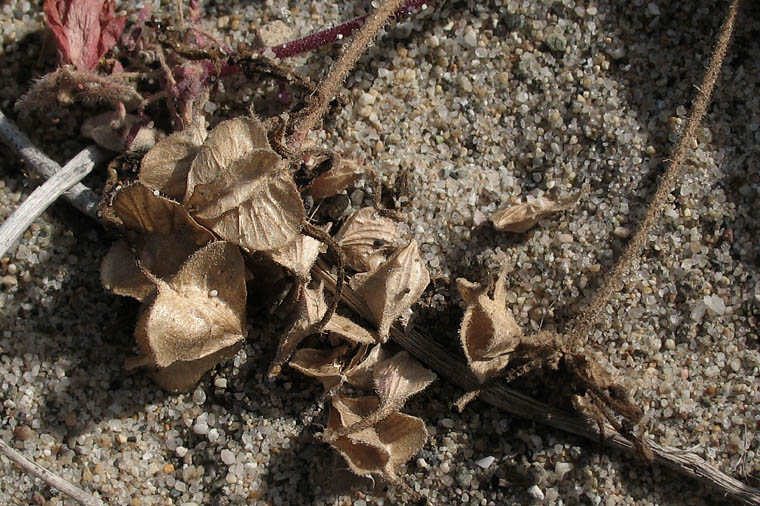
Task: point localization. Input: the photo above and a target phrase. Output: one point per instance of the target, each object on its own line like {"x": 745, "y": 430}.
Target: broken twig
{"x": 44, "y": 196}
{"x": 81, "y": 197}
{"x": 51, "y": 479}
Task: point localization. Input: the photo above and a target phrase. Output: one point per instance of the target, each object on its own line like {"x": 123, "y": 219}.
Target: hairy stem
{"x": 323, "y": 37}
{"x": 330, "y": 84}
{"x": 583, "y": 324}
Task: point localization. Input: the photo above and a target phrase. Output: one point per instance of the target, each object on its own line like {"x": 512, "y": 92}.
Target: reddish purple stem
{"x": 324, "y": 37}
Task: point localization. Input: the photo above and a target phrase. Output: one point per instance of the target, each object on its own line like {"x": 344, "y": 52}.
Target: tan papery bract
{"x": 346, "y": 330}
{"x": 228, "y": 142}
{"x": 489, "y": 332}
{"x": 325, "y": 365}
{"x": 299, "y": 255}
{"x": 165, "y": 167}
{"x": 400, "y": 377}
{"x": 253, "y": 202}
{"x": 198, "y": 312}
{"x": 162, "y": 234}
{"x": 335, "y": 180}
{"x": 311, "y": 307}
{"x": 110, "y": 131}
{"x": 391, "y": 289}
{"x": 365, "y": 238}
{"x": 523, "y": 217}
{"x": 380, "y": 449}
{"x": 359, "y": 372}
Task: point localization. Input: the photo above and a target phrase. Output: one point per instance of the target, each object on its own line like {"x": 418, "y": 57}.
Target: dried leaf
{"x": 400, "y": 377}
{"x": 335, "y": 180}
{"x": 311, "y": 308}
{"x": 165, "y": 236}
{"x": 489, "y": 332}
{"x": 391, "y": 289}
{"x": 110, "y": 132}
{"x": 228, "y": 142}
{"x": 299, "y": 256}
{"x": 85, "y": 30}
{"x": 522, "y": 217}
{"x": 198, "y": 312}
{"x": 120, "y": 274}
{"x": 325, "y": 365}
{"x": 365, "y": 238}
{"x": 165, "y": 167}
{"x": 380, "y": 449}
{"x": 253, "y": 202}
{"x": 359, "y": 372}
{"x": 346, "y": 330}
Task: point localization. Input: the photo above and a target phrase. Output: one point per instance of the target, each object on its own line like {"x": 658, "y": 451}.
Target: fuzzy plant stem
{"x": 328, "y": 88}
{"x": 323, "y": 37}
{"x": 583, "y": 325}
{"x": 377, "y": 416}
{"x": 51, "y": 479}
{"x": 81, "y": 197}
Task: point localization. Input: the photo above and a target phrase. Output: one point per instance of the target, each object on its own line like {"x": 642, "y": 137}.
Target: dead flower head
{"x": 196, "y": 314}
{"x": 391, "y": 289}
{"x": 380, "y": 449}
{"x": 489, "y": 332}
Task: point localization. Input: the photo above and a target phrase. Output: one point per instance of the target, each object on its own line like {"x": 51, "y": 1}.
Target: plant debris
{"x": 393, "y": 287}
{"x": 522, "y": 217}
{"x": 196, "y": 318}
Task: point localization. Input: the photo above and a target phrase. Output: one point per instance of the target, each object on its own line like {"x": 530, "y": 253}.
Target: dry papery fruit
{"x": 523, "y": 217}
{"x": 496, "y": 349}
{"x": 235, "y": 189}
{"x": 366, "y": 238}
{"x": 200, "y": 203}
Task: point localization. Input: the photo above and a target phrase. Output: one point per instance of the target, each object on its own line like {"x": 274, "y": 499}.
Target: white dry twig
{"x": 81, "y": 197}
{"x": 51, "y": 479}
{"x": 43, "y": 196}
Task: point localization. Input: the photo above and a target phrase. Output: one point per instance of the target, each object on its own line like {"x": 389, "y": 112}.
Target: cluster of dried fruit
{"x": 496, "y": 349}
{"x": 201, "y": 205}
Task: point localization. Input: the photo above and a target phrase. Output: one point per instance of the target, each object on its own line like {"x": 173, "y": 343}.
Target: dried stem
{"x": 584, "y": 323}
{"x": 44, "y": 196}
{"x": 51, "y": 479}
{"x": 453, "y": 368}
{"x": 336, "y": 33}
{"x": 320, "y": 235}
{"x": 330, "y": 84}
{"x": 81, "y": 197}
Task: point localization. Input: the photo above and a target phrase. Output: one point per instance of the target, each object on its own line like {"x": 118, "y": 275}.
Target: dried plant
{"x": 523, "y": 217}
{"x": 207, "y": 203}
{"x": 393, "y": 287}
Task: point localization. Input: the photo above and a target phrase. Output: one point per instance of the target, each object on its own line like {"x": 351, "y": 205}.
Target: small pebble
{"x": 23, "y": 433}
{"x": 228, "y": 457}
{"x": 536, "y": 493}
{"x": 485, "y": 462}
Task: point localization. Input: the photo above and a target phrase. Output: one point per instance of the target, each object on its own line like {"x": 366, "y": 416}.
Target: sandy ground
{"x": 462, "y": 109}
